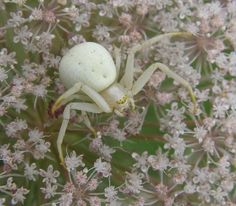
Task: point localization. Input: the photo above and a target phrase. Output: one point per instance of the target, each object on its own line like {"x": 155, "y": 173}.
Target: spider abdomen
{"x": 89, "y": 63}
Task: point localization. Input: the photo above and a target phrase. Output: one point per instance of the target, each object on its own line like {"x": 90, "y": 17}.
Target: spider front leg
{"x": 84, "y": 107}
{"x": 90, "y": 92}
{"x": 144, "y": 78}
{"x": 68, "y": 95}
{"x": 100, "y": 105}
{"x": 117, "y": 61}
{"x": 127, "y": 79}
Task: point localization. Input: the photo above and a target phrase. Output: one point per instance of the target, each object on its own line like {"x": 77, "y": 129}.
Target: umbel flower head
{"x": 168, "y": 150}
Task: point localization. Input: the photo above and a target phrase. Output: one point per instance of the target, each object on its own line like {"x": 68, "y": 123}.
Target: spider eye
{"x": 122, "y": 100}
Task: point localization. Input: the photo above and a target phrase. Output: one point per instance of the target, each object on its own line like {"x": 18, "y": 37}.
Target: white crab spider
{"x": 88, "y": 68}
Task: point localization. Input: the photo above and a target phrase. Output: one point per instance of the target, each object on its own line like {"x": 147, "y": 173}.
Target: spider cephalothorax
{"x": 117, "y": 97}
{"x": 91, "y": 77}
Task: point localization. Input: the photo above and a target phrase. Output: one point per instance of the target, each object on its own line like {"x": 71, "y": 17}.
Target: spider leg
{"x": 90, "y": 92}
{"x": 144, "y": 78}
{"x": 118, "y": 61}
{"x": 88, "y": 123}
{"x": 66, "y": 96}
{"x": 76, "y": 97}
{"x": 84, "y": 114}
{"x": 97, "y": 98}
{"x": 127, "y": 79}
{"x": 88, "y": 107}
{"x": 99, "y": 105}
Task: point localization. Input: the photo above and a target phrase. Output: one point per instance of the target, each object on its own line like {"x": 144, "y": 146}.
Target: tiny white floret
{"x": 89, "y": 63}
